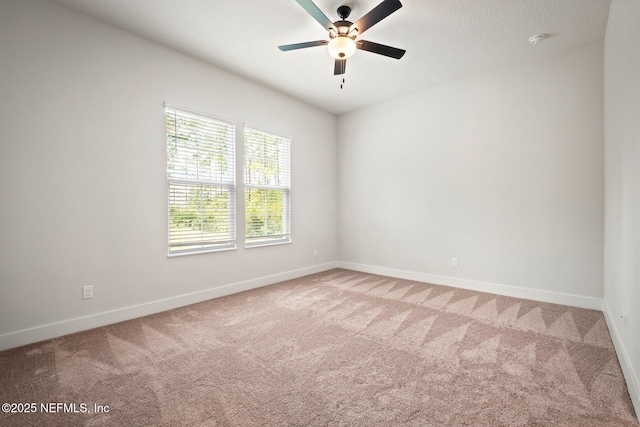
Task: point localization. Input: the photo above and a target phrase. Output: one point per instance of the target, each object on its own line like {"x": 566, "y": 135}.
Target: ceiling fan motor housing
{"x": 342, "y": 44}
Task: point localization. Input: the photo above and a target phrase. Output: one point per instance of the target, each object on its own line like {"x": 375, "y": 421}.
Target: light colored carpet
{"x": 339, "y": 348}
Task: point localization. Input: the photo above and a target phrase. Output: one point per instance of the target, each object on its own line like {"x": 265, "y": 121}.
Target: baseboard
{"x": 493, "y": 288}
{"x": 633, "y": 383}
{"x": 52, "y": 330}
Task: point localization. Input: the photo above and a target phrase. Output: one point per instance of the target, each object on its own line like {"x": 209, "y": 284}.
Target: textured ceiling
{"x": 446, "y": 40}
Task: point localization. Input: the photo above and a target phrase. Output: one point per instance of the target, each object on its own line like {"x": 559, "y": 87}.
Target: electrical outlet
{"x": 625, "y": 320}
{"x": 315, "y": 252}
{"x": 455, "y": 263}
{"x": 87, "y": 292}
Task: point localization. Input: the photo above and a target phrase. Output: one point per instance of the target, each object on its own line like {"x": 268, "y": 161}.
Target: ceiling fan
{"x": 343, "y": 35}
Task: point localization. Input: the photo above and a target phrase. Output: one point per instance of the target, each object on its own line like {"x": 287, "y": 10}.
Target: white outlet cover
{"x": 87, "y": 292}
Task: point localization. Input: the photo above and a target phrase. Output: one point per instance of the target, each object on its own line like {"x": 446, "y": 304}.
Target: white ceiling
{"x": 446, "y": 40}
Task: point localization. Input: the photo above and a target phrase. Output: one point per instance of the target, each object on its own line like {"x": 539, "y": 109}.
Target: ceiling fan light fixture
{"x": 342, "y": 47}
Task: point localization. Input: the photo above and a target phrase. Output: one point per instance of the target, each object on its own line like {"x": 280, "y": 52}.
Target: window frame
{"x": 227, "y": 181}
{"x": 269, "y": 239}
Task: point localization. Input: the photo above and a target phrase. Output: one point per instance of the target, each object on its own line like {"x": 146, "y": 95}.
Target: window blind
{"x": 267, "y": 188}
{"x": 200, "y": 182}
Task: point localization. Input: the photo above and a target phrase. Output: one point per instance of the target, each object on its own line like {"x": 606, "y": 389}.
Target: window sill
{"x": 204, "y": 251}
{"x": 263, "y": 244}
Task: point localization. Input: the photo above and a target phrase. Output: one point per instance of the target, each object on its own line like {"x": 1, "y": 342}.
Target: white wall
{"x": 503, "y": 171}
{"x": 83, "y": 181}
{"x": 622, "y": 185}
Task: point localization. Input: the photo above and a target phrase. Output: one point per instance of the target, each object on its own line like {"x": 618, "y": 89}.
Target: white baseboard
{"x": 633, "y": 383}
{"x": 474, "y": 285}
{"x": 52, "y": 330}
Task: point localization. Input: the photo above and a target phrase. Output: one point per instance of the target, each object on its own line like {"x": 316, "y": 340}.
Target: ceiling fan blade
{"x": 317, "y": 14}
{"x": 380, "y": 49}
{"x": 377, "y": 14}
{"x": 295, "y": 46}
{"x": 340, "y": 67}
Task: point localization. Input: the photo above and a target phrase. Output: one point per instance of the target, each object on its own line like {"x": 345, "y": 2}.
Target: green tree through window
{"x": 267, "y": 188}
{"x": 201, "y": 182}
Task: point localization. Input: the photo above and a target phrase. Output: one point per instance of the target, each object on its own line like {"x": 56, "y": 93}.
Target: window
{"x": 201, "y": 182}
{"x": 267, "y": 188}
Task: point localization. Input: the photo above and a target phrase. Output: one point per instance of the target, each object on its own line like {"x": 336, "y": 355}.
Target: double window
{"x": 201, "y": 184}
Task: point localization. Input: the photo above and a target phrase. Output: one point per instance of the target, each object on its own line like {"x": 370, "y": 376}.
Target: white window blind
{"x": 201, "y": 182}
{"x": 267, "y": 188}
